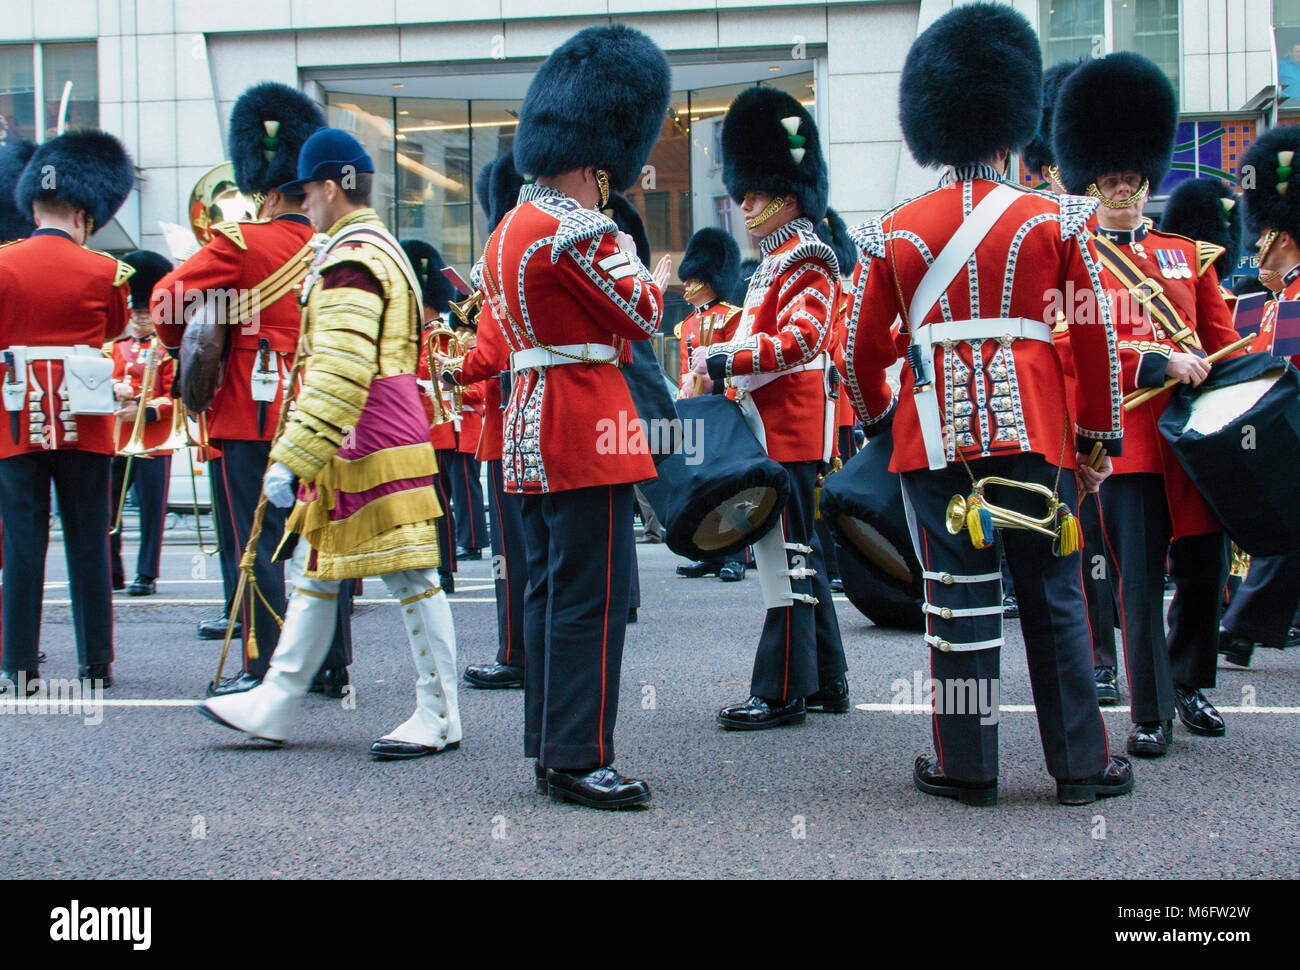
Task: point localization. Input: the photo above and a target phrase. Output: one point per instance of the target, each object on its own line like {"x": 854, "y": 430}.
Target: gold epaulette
{"x": 1206, "y": 256}
{"x": 731, "y": 313}
{"x": 1143, "y": 346}
{"x": 677, "y": 332}
{"x": 124, "y": 272}
{"x": 9, "y": 243}
{"x": 233, "y": 232}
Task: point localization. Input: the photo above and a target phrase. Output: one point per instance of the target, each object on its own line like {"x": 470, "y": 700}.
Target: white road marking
{"x": 1029, "y": 709}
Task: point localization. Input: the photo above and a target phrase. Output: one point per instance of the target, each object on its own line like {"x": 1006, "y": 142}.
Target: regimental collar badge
{"x": 1126, "y": 237}
{"x": 1174, "y": 264}
{"x": 1292, "y": 275}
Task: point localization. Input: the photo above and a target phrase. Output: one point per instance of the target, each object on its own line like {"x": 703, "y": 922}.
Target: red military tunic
{"x": 130, "y": 358}
{"x": 1184, "y": 271}
{"x": 240, "y": 257}
{"x": 556, "y": 277}
{"x": 1263, "y": 342}
{"x": 788, "y": 322}
{"x": 82, "y": 296}
{"x": 483, "y": 364}
{"x": 715, "y": 323}
{"x": 999, "y": 397}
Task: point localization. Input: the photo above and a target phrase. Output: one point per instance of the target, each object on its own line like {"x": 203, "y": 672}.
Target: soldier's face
{"x": 141, "y": 323}
{"x": 315, "y": 202}
{"x": 1120, "y": 186}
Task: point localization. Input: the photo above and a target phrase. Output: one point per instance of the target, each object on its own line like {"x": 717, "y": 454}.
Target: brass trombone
{"x": 136, "y": 446}
{"x": 467, "y": 310}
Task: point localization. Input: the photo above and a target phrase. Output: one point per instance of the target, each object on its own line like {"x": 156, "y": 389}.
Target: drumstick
{"x": 1097, "y": 456}
{"x": 1141, "y": 397}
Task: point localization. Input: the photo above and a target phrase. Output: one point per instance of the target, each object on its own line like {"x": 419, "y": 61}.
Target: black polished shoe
{"x": 143, "y": 586}
{"x": 98, "y": 675}
{"x": 389, "y": 750}
{"x": 41, "y": 658}
{"x": 831, "y": 699}
{"x": 539, "y": 779}
{"x": 15, "y": 682}
{"x": 1010, "y": 607}
{"x": 697, "y": 570}
{"x": 1107, "y": 686}
{"x": 1197, "y": 713}
{"x": 601, "y": 788}
{"x": 732, "y": 572}
{"x": 215, "y": 629}
{"x": 448, "y": 583}
{"x": 468, "y": 555}
{"x": 758, "y": 713}
{"x": 930, "y": 779}
{"x": 837, "y": 585}
{"x": 1234, "y": 649}
{"x": 494, "y": 676}
{"x": 1170, "y": 585}
{"x": 1117, "y": 779}
{"x": 233, "y": 685}
{"x": 1292, "y": 638}
{"x": 119, "y": 583}
{"x": 1150, "y": 739}
{"x": 330, "y": 681}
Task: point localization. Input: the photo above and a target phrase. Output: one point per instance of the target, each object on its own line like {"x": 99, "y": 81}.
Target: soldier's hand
{"x": 626, "y": 243}
{"x": 662, "y": 269}
{"x": 1090, "y": 479}
{"x": 128, "y": 411}
{"x": 278, "y": 486}
{"x": 700, "y": 361}
{"x": 1187, "y": 369}
{"x": 122, "y": 391}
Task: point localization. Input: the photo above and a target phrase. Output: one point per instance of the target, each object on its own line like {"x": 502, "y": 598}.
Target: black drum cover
{"x": 1238, "y": 437}
{"x": 204, "y": 348}
{"x": 728, "y": 495}
{"x": 863, "y": 505}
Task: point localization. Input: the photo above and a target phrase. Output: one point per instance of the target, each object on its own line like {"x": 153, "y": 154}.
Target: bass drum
{"x": 719, "y": 492}
{"x": 1238, "y": 437}
{"x": 863, "y": 505}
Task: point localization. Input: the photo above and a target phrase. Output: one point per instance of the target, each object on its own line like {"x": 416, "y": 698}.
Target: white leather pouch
{"x": 88, "y": 377}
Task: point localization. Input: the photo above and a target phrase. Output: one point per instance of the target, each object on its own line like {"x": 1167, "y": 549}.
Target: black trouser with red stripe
{"x": 467, "y": 494}
{"x": 149, "y": 478}
{"x": 800, "y": 650}
{"x": 1135, "y": 512}
{"x": 238, "y": 487}
{"x": 1053, "y": 620}
{"x": 580, "y": 546}
{"x": 447, "y": 521}
{"x": 81, "y": 485}
{"x": 1097, "y": 586}
{"x": 509, "y": 566}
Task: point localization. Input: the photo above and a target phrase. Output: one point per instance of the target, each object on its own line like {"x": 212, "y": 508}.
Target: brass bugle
{"x": 467, "y": 310}
{"x": 136, "y": 445}
{"x": 1006, "y": 518}
{"x": 455, "y": 349}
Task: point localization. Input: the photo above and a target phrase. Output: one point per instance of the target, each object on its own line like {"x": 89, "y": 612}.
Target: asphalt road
{"x": 149, "y": 790}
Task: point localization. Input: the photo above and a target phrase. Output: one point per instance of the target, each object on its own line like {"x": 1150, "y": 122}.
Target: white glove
{"x": 278, "y": 486}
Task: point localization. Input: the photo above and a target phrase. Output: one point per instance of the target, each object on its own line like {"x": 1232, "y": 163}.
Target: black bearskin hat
{"x": 1037, "y": 155}
{"x": 497, "y": 187}
{"x": 748, "y": 267}
{"x": 770, "y": 144}
{"x": 834, "y": 233}
{"x": 14, "y": 223}
{"x": 1115, "y": 114}
{"x": 971, "y": 86}
{"x": 712, "y": 257}
{"x": 600, "y": 99}
{"x": 1206, "y": 210}
{"x": 436, "y": 291}
{"x": 1262, "y": 174}
{"x": 267, "y": 157}
{"x": 89, "y": 170}
{"x": 629, "y": 221}
{"x": 150, "y": 267}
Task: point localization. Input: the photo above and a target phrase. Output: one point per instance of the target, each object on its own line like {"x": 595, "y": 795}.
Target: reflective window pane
{"x": 17, "y": 93}
{"x": 71, "y": 79}
{"x": 1070, "y": 29}
{"x": 1150, "y": 28}
{"x": 370, "y": 120}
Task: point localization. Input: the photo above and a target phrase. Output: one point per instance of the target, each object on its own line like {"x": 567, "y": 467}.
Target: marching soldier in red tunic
{"x": 710, "y": 268}
{"x": 1262, "y": 610}
{"x": 268, "y": 257}
{"x": 977, "y": 270}
{"x": 488, "y": 362}
{"x": 59, "y": 304}
{"x": 1168, "y": 313}
{"x": 780, "y": 359}
{"x": 568, "y": 295}
{"x": 436, "y": 293}
{"x": 133, "y": 356}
